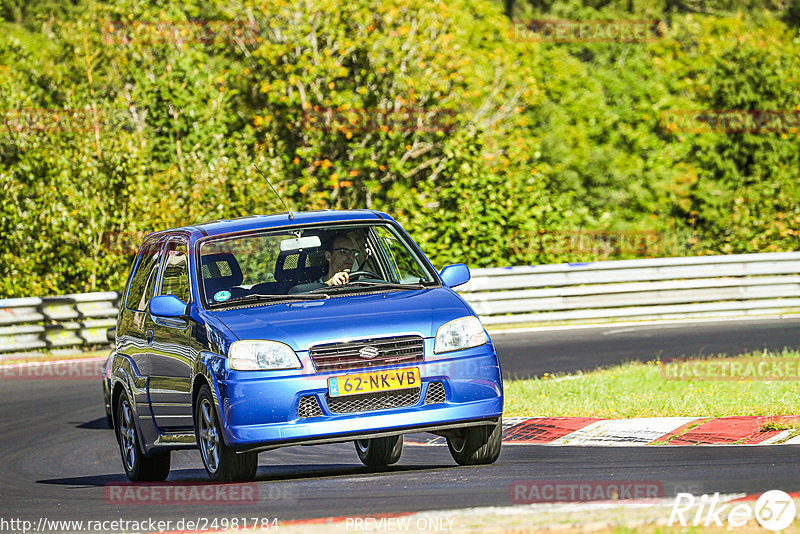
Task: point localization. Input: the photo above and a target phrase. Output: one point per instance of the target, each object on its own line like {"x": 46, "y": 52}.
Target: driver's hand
{"x": 340, "y": 278}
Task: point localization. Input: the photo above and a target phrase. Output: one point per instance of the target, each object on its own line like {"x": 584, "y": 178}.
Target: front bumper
{"x": 260, "y": 412}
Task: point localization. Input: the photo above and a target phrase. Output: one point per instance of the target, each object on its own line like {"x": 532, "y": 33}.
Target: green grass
{"x": 780, "y": 425}
{"x": 639, "y": 390}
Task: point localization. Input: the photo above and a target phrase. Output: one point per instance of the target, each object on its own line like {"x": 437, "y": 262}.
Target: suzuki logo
{"x": 368, "y": 352}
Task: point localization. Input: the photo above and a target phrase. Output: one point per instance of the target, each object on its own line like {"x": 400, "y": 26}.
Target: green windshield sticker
{"x": 221, "y": 296}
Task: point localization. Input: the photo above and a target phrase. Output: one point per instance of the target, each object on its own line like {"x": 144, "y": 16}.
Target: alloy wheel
{"x": 209, "y": 437}
{"x": 128, "y": 436}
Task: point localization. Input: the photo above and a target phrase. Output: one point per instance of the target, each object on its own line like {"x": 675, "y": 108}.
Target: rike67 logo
{"x": 774, "y": 510}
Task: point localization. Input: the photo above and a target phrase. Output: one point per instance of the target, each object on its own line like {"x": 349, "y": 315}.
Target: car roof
{"x": 257, "y": 222}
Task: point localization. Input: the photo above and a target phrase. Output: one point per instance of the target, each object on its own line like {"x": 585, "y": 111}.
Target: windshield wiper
{"x": 259, "y": 297}
{"x": 360, "y": 284}
{"x": 369, "y": 283}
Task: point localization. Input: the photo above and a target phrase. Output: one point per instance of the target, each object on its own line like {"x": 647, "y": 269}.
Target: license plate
{"x": 356, "y": 384}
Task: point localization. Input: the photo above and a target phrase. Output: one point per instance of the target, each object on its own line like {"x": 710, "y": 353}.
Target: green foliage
{"x": 32, "y": 13}
{"x": 742, "y": 186}
{"x": 120, "y": 118}
{"x": 657, "y": 389}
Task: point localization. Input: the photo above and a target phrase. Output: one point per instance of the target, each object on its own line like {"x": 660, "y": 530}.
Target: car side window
{"x": 176, "y": 271}
{"x": 405, "y": 269}
{"x": 144, "y": 279}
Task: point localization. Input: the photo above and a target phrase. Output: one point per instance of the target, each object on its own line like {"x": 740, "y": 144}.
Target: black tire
{"x": 222, "y": 463}
{"x": 138, "y": 467}
{"x": 378, "y": 452}
{"x": 476, "y": 445}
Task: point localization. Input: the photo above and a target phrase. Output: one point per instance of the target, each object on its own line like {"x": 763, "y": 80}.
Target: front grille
{"x": 390, "y": 350}
{"x": 369, "y": 402}
{"x": 435, "y": 394}
{"x": 309, "y": 407}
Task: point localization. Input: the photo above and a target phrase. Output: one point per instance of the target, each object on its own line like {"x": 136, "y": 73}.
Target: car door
{"x": 134, "y": 334}
{"x": 173, "y": 351}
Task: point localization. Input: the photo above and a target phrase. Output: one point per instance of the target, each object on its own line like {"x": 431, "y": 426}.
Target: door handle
{"x": 149, "y": 337}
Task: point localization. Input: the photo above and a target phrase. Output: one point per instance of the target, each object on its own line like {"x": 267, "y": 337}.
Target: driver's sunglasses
{"x": 347, "y": 252}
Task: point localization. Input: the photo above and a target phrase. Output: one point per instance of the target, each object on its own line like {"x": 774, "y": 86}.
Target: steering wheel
{"x": 351, "y": 276}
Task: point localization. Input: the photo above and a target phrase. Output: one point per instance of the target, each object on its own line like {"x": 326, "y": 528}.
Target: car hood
{"x": 302, "y": 324}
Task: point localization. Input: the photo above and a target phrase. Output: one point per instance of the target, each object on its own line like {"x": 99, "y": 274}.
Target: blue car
{"x": 245, "y": 335}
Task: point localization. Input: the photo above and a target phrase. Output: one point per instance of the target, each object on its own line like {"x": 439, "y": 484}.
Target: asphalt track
{"x": 57, "y": 459}
{"x": 568, "y": 350}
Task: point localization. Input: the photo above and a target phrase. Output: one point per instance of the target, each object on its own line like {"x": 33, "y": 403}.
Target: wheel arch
{"x": 126, "y": 379}
{"x": 207, "y": 368}
{"x": 119, "y": 385}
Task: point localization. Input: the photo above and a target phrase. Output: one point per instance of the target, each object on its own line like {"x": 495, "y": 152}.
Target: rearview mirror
{"x": 300, "y": 242}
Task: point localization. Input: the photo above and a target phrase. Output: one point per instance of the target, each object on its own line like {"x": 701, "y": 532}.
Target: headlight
{"x": 459, "y": 334}
{"x": 261, "y": 356}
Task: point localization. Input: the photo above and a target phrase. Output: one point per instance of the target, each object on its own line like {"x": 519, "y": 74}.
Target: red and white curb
{"x": 639, "y": 431}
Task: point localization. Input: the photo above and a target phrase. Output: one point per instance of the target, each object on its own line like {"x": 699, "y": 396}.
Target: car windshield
{"x": 294, "y": 263}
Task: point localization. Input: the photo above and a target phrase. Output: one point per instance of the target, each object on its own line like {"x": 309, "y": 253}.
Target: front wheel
{"x": 222, "y": 463}
{"x": 378, "y": 452}
{"x": 138, "y": 467}
{"x": 476, "y": 445}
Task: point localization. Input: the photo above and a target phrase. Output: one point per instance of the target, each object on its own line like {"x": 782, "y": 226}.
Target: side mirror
{"x": 455, "y": 275}
{"x": 167, "y": 306}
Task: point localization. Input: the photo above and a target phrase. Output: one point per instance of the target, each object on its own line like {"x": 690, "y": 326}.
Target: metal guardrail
{"x": 703, "y": 286}
{"x": 53, "y": 322}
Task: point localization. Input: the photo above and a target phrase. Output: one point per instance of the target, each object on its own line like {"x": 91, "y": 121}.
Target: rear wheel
{"x": 476, "y": 445}
{"x": 222, "y": 463}
{"x": 138, "y": 467}
{"x": 376, "y": 452}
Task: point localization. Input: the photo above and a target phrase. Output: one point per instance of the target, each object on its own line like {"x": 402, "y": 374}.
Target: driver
{"x": 341, "y": 255}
